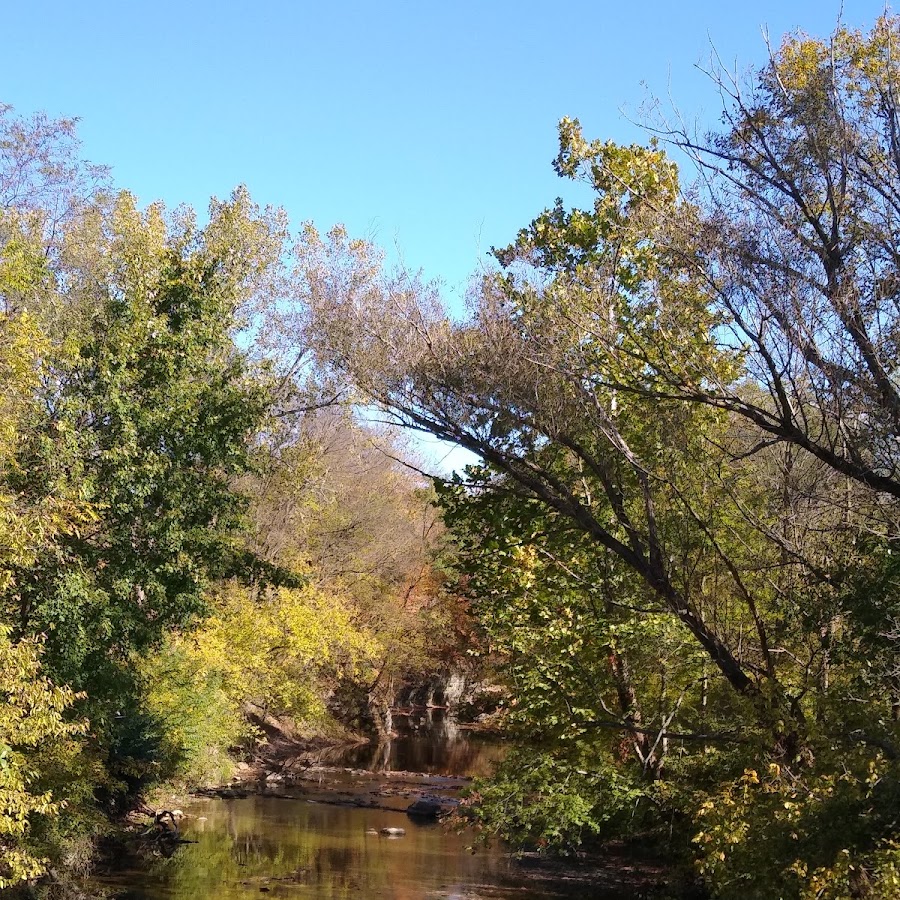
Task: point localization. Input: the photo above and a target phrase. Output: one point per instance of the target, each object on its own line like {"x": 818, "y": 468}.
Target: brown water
{"x": 295, "y": 846}
{"x": 294, "y": 849}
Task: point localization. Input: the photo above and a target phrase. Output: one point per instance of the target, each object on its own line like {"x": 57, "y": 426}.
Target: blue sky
{"x": 428, "y": 127}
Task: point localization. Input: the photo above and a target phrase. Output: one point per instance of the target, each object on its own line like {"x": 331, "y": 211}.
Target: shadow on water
{"x": 295, "y": 847}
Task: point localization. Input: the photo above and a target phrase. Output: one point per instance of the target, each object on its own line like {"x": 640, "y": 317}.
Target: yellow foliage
{"x": 279, "y": 647}
{"x": 31, "y": 723}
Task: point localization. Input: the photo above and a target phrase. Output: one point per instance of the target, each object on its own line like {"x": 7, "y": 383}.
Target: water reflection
{"x": 298, "y": 845}
{"x": 293, "y": 848}
{"x": 427, "y": 741}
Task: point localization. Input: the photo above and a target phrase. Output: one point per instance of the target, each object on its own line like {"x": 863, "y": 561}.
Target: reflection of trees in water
{"x": 428, "y": 741}
{"x": 70, "y": 887}
{"x": 285, "y": 844}
{"x": 248, "y": 844}
{"x": 257, "y": 842}
{"x": 245, "y": 844}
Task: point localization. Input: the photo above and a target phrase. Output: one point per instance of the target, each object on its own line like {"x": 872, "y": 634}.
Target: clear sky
{"x": 426, "y": 126}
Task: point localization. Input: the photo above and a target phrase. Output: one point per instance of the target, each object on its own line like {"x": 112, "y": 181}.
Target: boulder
{"x": 424, "y": 809}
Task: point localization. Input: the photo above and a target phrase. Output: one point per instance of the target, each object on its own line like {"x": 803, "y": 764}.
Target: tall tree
{"x": 148, "y": 415}
{"x": 694, "y": 394}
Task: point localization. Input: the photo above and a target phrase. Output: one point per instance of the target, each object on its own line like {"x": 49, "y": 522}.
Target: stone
{"x": 424, "y": 809}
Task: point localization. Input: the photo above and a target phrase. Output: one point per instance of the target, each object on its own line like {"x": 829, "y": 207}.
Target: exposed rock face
{"x": 458, "y": 690}
{"x": 368, "y": 713}
{"x": 382, "y": 718}
{"x": 454, "y": 689}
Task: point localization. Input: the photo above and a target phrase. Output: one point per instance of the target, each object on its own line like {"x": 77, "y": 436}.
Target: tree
{"x": 35, "y": 740}
{"x": 799, "y": 248}
{"x": 43, "y": 766}
{"x": 515, "y": 386}
{"x": 148, "y": 415}
{"x": 692, "y": 394}
{"x": 335, "y": 502}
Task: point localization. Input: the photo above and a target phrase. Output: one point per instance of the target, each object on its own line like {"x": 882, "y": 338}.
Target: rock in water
{"x": 393, "y": 832}
{"x": 424, "y": 809}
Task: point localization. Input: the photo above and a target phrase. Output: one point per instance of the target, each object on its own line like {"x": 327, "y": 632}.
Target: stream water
{"x": 297, "y": 841}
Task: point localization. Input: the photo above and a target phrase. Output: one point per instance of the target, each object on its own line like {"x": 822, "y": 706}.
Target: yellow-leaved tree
{"x": 38, "y": 745}
{"x": 35, "y": 740}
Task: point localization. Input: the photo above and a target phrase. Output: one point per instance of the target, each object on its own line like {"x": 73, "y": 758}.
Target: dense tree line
{"x": 682, "y": 537}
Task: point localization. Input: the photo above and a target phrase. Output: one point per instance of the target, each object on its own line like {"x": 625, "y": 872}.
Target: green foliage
{"x": 682, "y": 543}
{"x": 148, "y": 418}
{"x": 127, "y": 414}
{"x": 181, "y": 544}
{"x": 281, "y": 649}
{"x": 195, "y": 711}
{"x": 685, "y": 530}
{"x": 160, "y": 406}
{"x": 823, "y": 834}
{"x": 554, "y": 799}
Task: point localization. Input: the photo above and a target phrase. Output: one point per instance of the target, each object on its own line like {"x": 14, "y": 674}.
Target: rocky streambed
{"x": 418, "y": 794}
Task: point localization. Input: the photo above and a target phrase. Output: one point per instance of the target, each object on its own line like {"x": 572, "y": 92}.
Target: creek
{"x": 319, "y": 834}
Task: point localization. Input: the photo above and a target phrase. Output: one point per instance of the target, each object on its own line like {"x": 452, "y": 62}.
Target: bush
{"x": 43, "y": 764}
{"x": 554, "y": 802}
{"x": 824, "y": 833}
